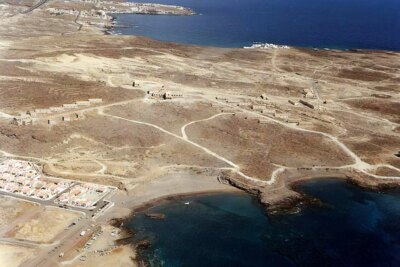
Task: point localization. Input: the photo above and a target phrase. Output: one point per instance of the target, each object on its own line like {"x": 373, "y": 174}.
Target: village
{"x": 295, "y": 112}
{"x": 95, "y": 126}
{"x": 52, "y": 115}
{"x": 23, "y": 178}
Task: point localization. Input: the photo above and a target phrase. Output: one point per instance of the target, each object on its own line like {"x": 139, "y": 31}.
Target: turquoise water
{"x": 352, "y": 227}
{"x": 368, "y": 24}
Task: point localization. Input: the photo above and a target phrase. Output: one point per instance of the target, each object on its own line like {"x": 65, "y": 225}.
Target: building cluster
{"x": 31, "y": 117}
{"x": 23, "y": 178}
{"x": 83, "y": 195}
{"x": 99, "y": 14}
{"x": 65, "y": 118}
{"x": 272, "y": 110}
{"x": 164, "y": 94}
{"x": 266, "y": 46}
{"x": 66, "y": 107}
{"x": 311, "y": 98}
{"x": 263, "y": 106}
{"x": 25, "y": 119}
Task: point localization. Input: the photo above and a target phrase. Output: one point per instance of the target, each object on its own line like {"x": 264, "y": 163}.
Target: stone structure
{"x": 268, "y": 111}
{"x": 307, "y": 104}
{"x": 281, "y": 116}
{"x": 42, "y": 110}
{"x": 164, "y": 94}
{"x": 308, "y": 93}
{"x": 24, "y": 119}
{"x": 83, "y": 103}
{"x": 95, "y": 100}
{"x": 257, "y": 107}
{"x": 70, "y": 105}
{"x": 66, "y": 118}
{"x": 56, "y": 109}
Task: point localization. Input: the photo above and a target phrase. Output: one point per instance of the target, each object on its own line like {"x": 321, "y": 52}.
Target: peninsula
{"x": 95, "y": 125}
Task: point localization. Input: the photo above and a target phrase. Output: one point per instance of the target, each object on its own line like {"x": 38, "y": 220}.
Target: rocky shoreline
{"x": 275, "y": 200}
{"x": 281, "y": 195}
{"x": 286, "y": 195}
{"x": 102, "y": 14}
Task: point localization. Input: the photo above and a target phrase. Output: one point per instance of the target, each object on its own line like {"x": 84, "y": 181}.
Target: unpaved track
{"x": 39, "y": 4}
{"x": 183, "y": 129}
{"x": 235, "y": 167}
{"x": 359, "y": 164}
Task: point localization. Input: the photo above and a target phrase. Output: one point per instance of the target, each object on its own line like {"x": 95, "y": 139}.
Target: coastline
{"x": 112, "y": 23}
{"x": 253, "y": 42}
{"x": 283, "y": 195}
{"x": 280, "y": 196}
{"x": 163, "y": 199}
{"x": 121, "y": 218}
{"x": 283, "y": 206}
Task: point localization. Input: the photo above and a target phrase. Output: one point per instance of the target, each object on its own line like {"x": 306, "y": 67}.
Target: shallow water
{"x": 368, "y": 24}
{"x": 352, "y": 228}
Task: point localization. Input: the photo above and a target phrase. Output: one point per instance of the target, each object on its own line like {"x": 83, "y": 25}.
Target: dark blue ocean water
{"x": 367, "y": 24}
{"x": 352, "y": 228}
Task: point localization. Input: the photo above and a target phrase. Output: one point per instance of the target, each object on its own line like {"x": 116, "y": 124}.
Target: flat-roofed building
{"x": 307, "y": 104}
{"x": 23, "y": 119}
{"x": 66, "y": 118}
{"x": 56, "y": 109}
{"x": 70, "y": 105}
{"x": 83, "y": 103}
{"x": 268, "y": 111}
{"x": 257, "y": 107}
{"x": 281, "y": 116}
{"x": 42, "y": 110}
{"x": 95, "y": 100}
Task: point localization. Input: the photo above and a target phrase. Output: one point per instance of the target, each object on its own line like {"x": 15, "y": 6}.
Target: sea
{"x": 350, "y": 227}
{"x": 334, "y": 24}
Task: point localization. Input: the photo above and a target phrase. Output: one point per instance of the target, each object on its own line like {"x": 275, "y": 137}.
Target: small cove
{"x": 353, "y": 227}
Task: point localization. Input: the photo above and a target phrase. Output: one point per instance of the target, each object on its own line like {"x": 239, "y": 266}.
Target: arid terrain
{"x": 176, "y": 119}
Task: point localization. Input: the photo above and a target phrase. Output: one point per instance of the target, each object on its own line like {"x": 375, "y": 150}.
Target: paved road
{"x": 46, "y": 202}
{"x": 66, "y": 240}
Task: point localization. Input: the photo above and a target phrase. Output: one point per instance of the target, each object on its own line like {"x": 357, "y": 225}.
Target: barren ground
{"x": 45, "y": 226}
{"x": 152, "y": 148}
{"x": 11, "y": 209}
{"x": 13, "y": 256}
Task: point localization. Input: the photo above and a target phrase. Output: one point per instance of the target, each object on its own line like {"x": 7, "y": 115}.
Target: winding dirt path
{"x": 183, "y": 129}
{"x": 235, "y": 167}
{"x": 37, "y": 5}
{"x": 358, "y": 164}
